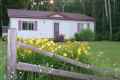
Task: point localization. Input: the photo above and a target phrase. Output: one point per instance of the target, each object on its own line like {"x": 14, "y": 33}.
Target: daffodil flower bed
{"x": 73, "y": 50}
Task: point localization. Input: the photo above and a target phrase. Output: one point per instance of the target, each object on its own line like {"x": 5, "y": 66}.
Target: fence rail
{"x": 56, "y": 72}
{"x": 65, "y": 59}
{"x": 13, "y": 64}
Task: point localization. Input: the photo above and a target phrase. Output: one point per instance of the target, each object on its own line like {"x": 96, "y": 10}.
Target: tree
{"x": 105, "y": 12}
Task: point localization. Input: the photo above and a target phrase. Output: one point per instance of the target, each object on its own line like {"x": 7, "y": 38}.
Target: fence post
{"x": 11, "y": 56}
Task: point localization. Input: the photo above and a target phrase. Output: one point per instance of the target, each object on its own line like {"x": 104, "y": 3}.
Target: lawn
{"x": 105, "y": 54}
{"x": 102, "y": 54}
{"x": 2, "y": 59}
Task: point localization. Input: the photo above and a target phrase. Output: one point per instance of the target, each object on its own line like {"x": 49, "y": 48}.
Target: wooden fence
{"x": 13, "y": 64}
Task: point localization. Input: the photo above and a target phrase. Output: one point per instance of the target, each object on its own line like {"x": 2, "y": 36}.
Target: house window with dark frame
{"x": 26, "y": 25}
{"x": 80, "y": 27}
{"x": 88, "y": 25}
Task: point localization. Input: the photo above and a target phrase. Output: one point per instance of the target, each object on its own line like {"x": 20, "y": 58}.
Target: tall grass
{"x": 3, "y": 51}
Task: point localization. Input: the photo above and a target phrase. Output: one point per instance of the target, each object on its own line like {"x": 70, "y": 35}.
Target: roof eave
{"x": 52, "y": 18}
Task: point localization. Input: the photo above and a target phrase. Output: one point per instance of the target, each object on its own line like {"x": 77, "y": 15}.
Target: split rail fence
{"x": 13, "y": 64}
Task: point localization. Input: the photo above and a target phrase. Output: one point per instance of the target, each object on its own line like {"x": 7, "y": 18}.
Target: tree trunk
{"x": 110, "y": 19}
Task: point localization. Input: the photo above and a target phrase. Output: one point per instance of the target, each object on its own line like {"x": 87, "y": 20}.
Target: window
{"x": 80, "y": 27}
{"x": 88, "y": 25}
{"x": 26, "y": 25}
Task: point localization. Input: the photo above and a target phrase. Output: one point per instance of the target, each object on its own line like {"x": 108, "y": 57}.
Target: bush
{"x": 73, "y": 50}
{"x": 59, "y": 38}
{"x": 102, "y": 36}
{"x": 85, "y": 35}
{"x": 69, "y": 49}
{"x": 4, "y": 38}
{"x": 116, "y": 37}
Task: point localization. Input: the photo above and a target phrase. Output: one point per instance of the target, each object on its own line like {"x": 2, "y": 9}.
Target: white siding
{"x": 46, "y": 27}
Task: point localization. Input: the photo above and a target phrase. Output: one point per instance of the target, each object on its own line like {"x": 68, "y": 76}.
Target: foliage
{"x": 85, "y": 35}
{"x": 116, "y": 36}
{"x": 105, "y": 55}
{"x": 59, "y": 38}
{"x": 87, "y": 7}
{"x": 100, "y": 37}
{"x": 2, "y": 60}
{"x": 76, "y": 50}
{"x": 4, "y": 38}
{"x": 72, "y": 50}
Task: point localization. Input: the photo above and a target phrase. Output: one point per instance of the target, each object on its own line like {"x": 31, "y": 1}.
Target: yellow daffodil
{"x": 59, "y": 46}
{"x": 53, "y": 51}
{"x": 88, "y": 48}
{"x": 86, "y": 52}
{"x": 31, "y": 42}
{"x": 68, "y": 49}
{"x": 37, "y": 42}
{"x": 65, "y": 54}
{"x": 19, "y": 38}
{"x": 79, "y": 51}
{"x": 42, "y": 46}
{"x": 29, "y": 51}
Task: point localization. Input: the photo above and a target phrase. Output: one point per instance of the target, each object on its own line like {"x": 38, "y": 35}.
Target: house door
{"x": 56, "y": 29}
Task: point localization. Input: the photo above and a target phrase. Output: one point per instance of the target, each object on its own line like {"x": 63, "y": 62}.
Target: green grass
{"x": 102, "y": 54}
{"x": 105, "y": 54}
{"x": 3, "y": 50}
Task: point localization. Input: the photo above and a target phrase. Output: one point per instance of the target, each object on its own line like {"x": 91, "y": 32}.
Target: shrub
{"x": 69, "y": 49}
{"x": 117, "y": 36}
{"x": 4, "y": 38}
{"x": 85, "y": 35}
{"x": 102, "y": 36}
{"x": 73, "y": 50}
{"x": 59, "y": 38}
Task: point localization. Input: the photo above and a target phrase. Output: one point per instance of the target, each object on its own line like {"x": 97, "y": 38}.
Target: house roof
{"x": 19, "y": 13}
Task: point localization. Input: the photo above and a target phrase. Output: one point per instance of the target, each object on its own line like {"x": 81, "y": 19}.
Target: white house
{"x": 41, "y": 24}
